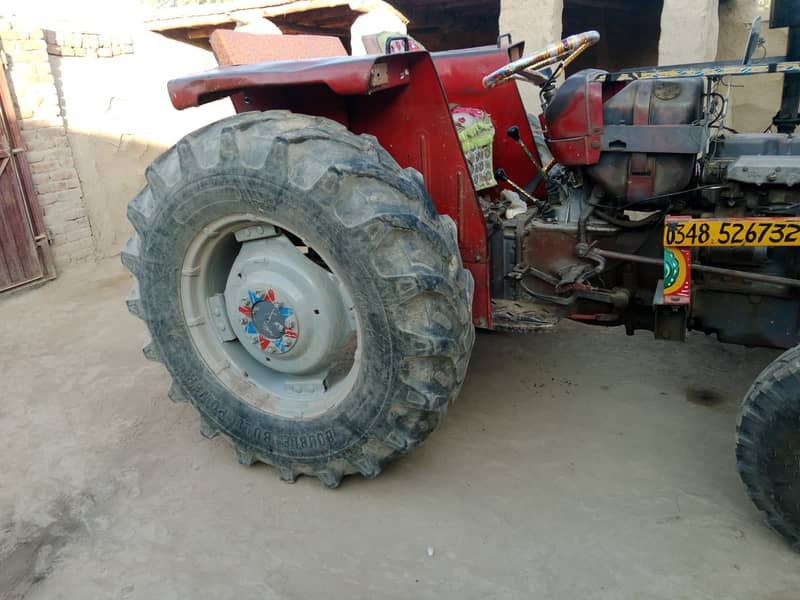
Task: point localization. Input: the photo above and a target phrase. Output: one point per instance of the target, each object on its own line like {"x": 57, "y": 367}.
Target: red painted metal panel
{"x": 344, "y": 75}
{"x": 575, "y": 122}
{"x": 413, "y": 123}
{"x": 311, "y": 99}
{"x": 462, "y": 73}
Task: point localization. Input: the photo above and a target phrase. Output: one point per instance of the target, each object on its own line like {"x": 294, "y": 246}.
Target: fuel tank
{"x": 638, "y": 140}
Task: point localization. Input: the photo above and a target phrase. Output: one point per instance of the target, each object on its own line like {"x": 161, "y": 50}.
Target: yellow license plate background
{"x": 732, "y": 232}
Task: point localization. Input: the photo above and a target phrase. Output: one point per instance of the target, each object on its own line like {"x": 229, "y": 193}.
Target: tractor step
{"x": 522, "y": 317}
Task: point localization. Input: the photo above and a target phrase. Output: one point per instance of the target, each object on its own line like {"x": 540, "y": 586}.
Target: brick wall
{"x": 91, "y": 45}
{"x": 24, "y": 52}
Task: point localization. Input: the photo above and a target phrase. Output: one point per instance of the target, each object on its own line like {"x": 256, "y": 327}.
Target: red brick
{"x": 62, "y": 174}
{"x": 57, "y": 186}
{"x": 79, "y": 234}
{"x": 76, "y": 224}
{"x": 34, "y": 44}
{"x": 90, "y": 41}
{"x": 10, "y": 35}
{"x": 46, "y": 166}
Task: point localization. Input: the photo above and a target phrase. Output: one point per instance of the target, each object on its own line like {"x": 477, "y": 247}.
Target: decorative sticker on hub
{"x": 268, "y": 322}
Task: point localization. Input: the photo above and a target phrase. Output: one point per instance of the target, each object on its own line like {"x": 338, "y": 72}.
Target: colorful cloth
{"x": 476, "y": 134}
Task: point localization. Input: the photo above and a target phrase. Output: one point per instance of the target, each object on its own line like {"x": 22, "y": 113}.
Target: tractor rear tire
{"x": 768, "y": 448}
{"x": 369, "y": 222}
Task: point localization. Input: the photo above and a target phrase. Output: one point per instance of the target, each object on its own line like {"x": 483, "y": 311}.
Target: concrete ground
{"x": 582, "y": 464}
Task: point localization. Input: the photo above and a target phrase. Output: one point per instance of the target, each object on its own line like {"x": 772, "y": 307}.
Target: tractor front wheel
{"x": 302, "y": 291}
{"x": 768, "y": 448}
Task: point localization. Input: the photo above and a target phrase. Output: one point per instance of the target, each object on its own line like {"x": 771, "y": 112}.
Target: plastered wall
{"x": 119, "y": 118}
{"x": 754, "y": 100}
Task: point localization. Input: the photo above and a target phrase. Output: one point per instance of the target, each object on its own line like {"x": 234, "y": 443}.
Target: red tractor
{"x": 312, "y": 269}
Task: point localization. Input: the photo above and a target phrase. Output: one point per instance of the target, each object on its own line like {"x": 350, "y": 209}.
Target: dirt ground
{"x": 582, "y": 464}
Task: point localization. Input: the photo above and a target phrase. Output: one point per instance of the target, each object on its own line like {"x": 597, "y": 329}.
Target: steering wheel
{"x": 566, "y": 50}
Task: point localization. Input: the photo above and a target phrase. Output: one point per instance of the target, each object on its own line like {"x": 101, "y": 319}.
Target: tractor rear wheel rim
{"x": 269, "y": 316}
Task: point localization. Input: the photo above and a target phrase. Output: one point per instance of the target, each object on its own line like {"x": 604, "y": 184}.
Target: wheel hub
{"x": 288, "y": 312}
{"x": 268, "y": 322}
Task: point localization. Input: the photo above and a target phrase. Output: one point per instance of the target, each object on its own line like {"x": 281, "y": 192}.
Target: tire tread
{"x": 770, "y": 406}
{"x": 416, "y": 238}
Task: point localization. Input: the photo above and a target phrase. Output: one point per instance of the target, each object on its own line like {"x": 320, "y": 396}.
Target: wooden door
{"x": 24, "y": 250}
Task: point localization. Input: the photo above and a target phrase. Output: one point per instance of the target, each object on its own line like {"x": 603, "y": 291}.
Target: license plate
{"x": 680, "y": 232}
